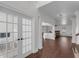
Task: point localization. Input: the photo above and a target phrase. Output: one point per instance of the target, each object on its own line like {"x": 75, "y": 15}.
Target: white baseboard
{"x": 35, "y": 51}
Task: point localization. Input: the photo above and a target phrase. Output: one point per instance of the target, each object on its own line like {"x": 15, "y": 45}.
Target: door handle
{"x": 21, "y": 38}
{"x": 18, "y": 39}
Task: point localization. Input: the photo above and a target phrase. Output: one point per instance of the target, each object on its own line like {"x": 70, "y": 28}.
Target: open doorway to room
{"x": 63, "y": 25}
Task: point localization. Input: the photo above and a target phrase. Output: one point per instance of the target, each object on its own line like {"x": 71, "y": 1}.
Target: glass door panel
{"x": 8, "y": 35}
{"x": 26, "y": 34}
{"x": 12, "y": 44}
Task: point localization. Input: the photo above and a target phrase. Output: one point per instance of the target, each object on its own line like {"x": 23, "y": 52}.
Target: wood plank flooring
{"x": 59, "y": 48}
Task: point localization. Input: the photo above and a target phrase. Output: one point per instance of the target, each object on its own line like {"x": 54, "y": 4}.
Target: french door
{"x": 8, "y": 35}
{"x": 26, "y": 36}
{"x": 14, "y": 42}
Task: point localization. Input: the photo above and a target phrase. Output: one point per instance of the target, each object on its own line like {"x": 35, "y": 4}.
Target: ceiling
{"x": 29, "y": 8}
{"x": 57, "y": 9}
{"x": 24, "y": 7}
{"x": 54, "y": 9}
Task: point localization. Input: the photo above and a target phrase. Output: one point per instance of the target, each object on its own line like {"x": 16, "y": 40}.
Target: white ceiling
{"x": 42, "y": 3}
{"x": 26, "y": 7}
{"x": 57, "y": 9}
{"x": 54, "y": 9}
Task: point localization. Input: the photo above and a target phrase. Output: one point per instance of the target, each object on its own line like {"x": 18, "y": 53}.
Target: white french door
{"x": 15, "y": 40}
{"x": 26, "y": 36}
{"x": 8, "y": 35}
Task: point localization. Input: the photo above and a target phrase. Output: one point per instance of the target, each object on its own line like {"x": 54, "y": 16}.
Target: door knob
{"x": 21, "y": 38}
{"x": 18, "y": 39}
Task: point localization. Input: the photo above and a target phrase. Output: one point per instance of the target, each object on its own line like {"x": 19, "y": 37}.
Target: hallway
{"x": 60, "y": 48}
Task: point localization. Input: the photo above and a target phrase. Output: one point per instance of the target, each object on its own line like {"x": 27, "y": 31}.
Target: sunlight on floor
{"x": 63, "y": 42}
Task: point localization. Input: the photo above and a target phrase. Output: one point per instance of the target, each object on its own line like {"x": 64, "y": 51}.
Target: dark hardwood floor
{"x": 59, "y": 48}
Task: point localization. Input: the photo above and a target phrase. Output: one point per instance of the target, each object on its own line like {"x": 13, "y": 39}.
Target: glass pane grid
{"x": 2, "y": 27}
{"x": 16, "y": 19}
{"x": 10, "y": 37}
{"x": 3, "y": 19}
{"x": 10, "y": 45}
{"x": 10, "y": 27}
{"x": 10, "y": 18}
{"x": 3, "y": 41}
{"x": 24, "y": 42}
{"x": 24, "y": 28}
{"x": 13, "y": 50}
{"x": 15, "y": 28}
{"x": 23, "y": 51}
{"x": 9, "y": 51}
{"x": 15, "y": 40}
{"x": 9, "y": 41}
{"x": 29, "y": 42}
{"x": 2, "y": 16}
{"x": 28, "y": 48}
{"x": 15, "y": 36}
